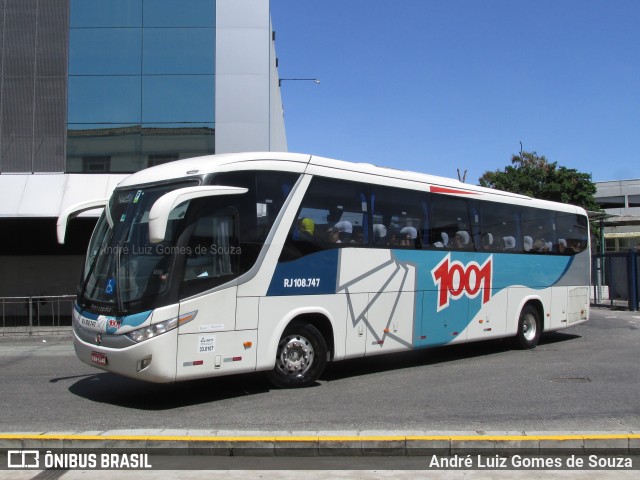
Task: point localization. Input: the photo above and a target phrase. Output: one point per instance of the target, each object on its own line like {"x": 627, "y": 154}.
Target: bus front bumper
{"x": 152, "y": 360}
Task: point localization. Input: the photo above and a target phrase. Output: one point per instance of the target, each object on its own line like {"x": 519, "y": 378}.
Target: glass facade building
{"x": 141, "y": 88}
{"x": 92, "y": 90}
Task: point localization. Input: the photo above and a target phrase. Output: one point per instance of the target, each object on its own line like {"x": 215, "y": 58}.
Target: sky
{"x": 437, "y": 86}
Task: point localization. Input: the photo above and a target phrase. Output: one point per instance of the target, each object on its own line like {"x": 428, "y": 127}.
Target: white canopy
{"x": 47, "y": 195}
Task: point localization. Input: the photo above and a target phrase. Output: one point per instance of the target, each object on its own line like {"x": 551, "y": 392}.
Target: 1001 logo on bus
{"x": 454, "y": 279}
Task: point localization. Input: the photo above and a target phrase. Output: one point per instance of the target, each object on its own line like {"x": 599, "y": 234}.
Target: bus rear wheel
{"x": 301, "y": 356}
{"x": 529, "y": 327}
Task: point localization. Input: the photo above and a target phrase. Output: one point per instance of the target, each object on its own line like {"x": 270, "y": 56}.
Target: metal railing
{"x": 41, "y": 311}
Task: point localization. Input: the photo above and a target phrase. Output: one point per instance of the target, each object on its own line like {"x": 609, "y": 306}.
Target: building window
{"x": 160, "y": 159}
{"x": 141, "y": 82}
{"x": 634, "y": 201}
{"x": 611, "y": 202}
{"x": 100, "y": 164}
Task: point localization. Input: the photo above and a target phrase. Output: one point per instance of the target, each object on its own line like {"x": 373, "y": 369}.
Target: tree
{"x": 533, "y": 175}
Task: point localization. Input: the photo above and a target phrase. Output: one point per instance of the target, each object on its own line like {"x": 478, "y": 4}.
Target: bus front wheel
{"x": 301, "y": 356}
{"x": 529, "y": 327}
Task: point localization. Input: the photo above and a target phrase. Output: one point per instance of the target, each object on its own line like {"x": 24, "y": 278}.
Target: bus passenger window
{"x": 500, "y": 227}
{"x": 398, "y": 217}
{"x": 451, "y": 222}
{"x": 572, "y": 233}
{"x": 333, "y": 214}
{"x": 539, "y": 230}
{"x": 209, "y": 251}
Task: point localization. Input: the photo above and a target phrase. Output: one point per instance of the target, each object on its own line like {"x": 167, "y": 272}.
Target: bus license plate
{"x": 99, "y": 358}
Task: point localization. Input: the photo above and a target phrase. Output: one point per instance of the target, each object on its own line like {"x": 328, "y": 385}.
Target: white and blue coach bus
{"x": 283, "y": 262}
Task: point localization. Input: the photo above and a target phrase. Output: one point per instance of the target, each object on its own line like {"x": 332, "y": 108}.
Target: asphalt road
{"x": 586, "y": 378}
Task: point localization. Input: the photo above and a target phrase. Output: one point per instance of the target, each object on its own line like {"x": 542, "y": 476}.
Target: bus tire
{"x": 301, "y": 356}
{"x": 529, "y": 327}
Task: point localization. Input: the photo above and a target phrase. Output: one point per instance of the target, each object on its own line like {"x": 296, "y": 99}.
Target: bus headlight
{"x": 156, "y": 329}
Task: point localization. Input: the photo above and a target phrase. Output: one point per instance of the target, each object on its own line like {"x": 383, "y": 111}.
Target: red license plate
{"x": 99, "y": 358}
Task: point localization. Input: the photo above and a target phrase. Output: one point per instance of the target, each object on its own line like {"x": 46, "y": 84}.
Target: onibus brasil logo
{"x": 455, "y": 279}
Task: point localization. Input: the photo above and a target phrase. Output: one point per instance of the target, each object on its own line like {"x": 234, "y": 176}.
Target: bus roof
{"x": 305, "y": 163}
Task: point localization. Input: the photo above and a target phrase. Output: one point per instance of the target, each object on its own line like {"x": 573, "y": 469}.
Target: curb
{"x": 332, "y": 444}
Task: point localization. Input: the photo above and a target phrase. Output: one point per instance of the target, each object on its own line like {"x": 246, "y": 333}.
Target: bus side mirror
{"x": 73, "y": 211}
{"x": 159, "y": 213}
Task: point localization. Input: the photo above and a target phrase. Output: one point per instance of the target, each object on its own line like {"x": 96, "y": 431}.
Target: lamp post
{"x": 314, "y": 80}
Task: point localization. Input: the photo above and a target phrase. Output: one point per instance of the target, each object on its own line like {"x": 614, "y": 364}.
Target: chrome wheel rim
{"x": 529, "y": 327}
{"x": 295, "y": 356}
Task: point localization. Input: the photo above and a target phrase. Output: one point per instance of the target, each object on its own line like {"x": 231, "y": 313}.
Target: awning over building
{"x": 47, "y": 195}
{"x": 622, "y": 235}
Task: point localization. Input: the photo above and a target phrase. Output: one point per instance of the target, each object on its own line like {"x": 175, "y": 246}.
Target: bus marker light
{"x": 194, "y": 363}
{"x": 233, "y": 359}
{"x": 247, "y": 344}
{"x": 423, "y": 337}
{"x": 455, "y": 334}
{"x": 187, "y": 317}
{"x": 386, "y": 330}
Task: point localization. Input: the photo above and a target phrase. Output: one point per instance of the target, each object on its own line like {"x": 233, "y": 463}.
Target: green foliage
{"x": 533, "y": 175}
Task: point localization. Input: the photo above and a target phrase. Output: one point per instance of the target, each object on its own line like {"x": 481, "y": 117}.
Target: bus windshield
{"x": 124, "y": 270}
{"x": 208, "y": 242}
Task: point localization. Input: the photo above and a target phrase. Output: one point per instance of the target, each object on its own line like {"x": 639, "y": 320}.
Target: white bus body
{"x": 227, "y": 264}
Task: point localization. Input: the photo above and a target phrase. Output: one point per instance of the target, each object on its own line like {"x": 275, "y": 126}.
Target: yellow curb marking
{"x": 328, "y": 438}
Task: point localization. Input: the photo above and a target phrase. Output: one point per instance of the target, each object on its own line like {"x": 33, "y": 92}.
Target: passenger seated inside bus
{"x": 527, "y": 243}
{"x": 540, "y": 246}
{"x": 443, "y": 242}
{"x": 509, "y": 243}
{"x": 407, "y": 237}
{"x": 358, "y": 236}
{"x": 562, "y": 245}
{"x": 487, "y": 241}
{"x": 379, "y": 234}
{"x": 462, "y": 240}
{"x": 345, "y": 231}
{"x": 306, "y": 229}
{"x": 340, "y": 233}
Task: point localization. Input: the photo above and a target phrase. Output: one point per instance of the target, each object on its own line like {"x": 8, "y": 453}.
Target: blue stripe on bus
{"x": 133, "y": 320}
{"x": 313, "y": 274}
{"x": 433, "y": 325}
{"x": 531, "y": 271}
